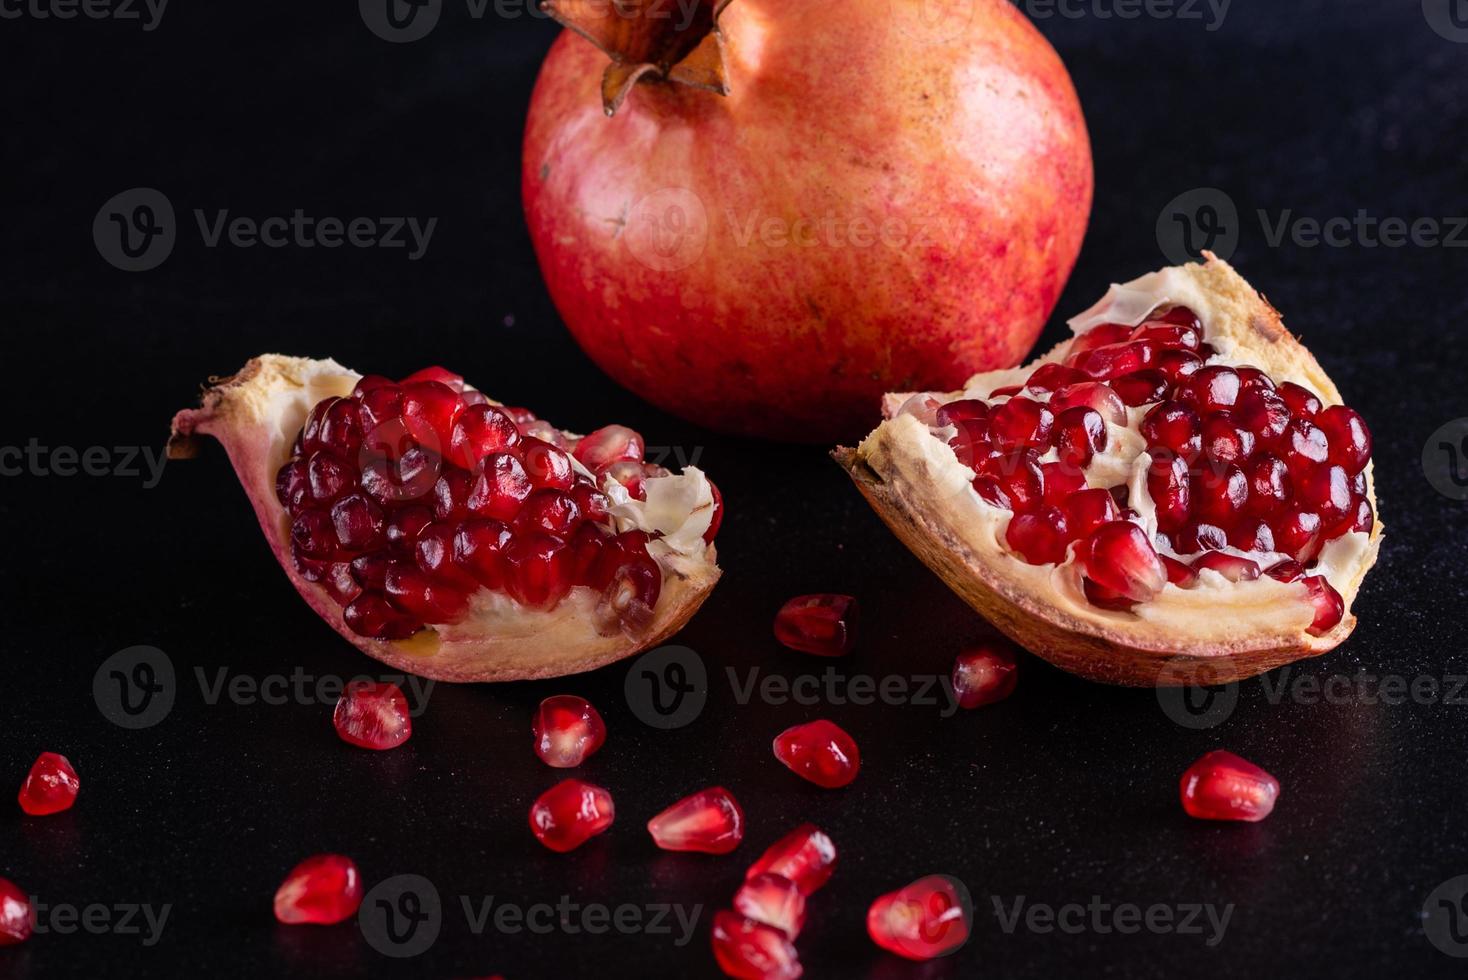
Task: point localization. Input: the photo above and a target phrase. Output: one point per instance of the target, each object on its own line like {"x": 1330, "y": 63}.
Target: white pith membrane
{"x": 257, "y": 414}
{"x": 1214, "y": 614}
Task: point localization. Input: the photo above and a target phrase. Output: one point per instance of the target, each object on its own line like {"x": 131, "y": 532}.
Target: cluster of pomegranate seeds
{"x": 406, "y": 497}
{"x": 15, "y": 914}
{"x": 921, "y": 921}
{"x": 570, "y": 813}
{"x": 322, "y": 890}
{"x": 373, "y": 715}
{"x": 50, "y": 787}
{"x": 755, "y": 940}
{"x": 567, "y": 730}
{"x": 710, "y": 822}
{"x": 1222, "y": 786}
{"x": 819, "y": 751}
{"x": 985, "y": 673}
{"x": 1237, "y": 461}
{"x": 823, "y": 624}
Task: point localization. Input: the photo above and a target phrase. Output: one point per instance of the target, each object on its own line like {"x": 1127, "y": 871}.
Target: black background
{"x": 1066, "y": 791}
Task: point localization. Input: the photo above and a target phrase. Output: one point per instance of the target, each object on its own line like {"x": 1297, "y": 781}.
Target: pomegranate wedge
{"x": 447, "y": 535}
{"x": 1224, "y": 448}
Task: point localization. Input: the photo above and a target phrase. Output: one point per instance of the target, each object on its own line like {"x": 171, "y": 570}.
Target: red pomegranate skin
{"x": 890, "y": 197}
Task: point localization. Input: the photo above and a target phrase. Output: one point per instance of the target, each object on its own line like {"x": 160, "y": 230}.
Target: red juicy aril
{"x": 1222, "y": 786}
{"x": 824, "y": 624}
{"x": 321, "y": 890}
{"x": 750, "y": 950}
{"x": 985, "y": 674}
{"x": 50, "y": 787}
{"x": 567, "y": 730}
{"x": 929, "y": 918}
{"x": 805, "y": 856}
{"x": 773, "y": 900}
{"x": 710, "y": 821}
{"x": 373, "y": 715}
{"x": 15, "y": 914}
{"x": 821, "y": 752}
{"x": 570, "y": 813}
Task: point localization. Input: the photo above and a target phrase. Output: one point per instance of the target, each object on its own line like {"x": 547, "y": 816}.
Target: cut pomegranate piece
{"x": 567, "y": 730}
{"x": 1119, "y": 557}
{"x": 986, "y": 673}
{"x": 570, "y": 813}
{"x": 16, "y": 921}
{"x": 1222, "y": 786}
{"x": 806, "y": 856}
{"x": 819, "y": 751}
{"x": 709, "y": 821}
{"x": 1020, "y": 423}
{"x": 929, "y": 918}
{"x": 1040, "y": 538}
{"x": 750, "y": 950}
{"x": 322, "y": 890}
{"x": 373, "y": 715}
{"x": 823, "y": 624}
{"x": 773, "y": 901}
{"x": 50, "y": 787}
{"x": 1329, "y": 607}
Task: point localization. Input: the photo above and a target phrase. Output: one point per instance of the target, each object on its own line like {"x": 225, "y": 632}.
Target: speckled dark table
{"x": 1064, "y": 795}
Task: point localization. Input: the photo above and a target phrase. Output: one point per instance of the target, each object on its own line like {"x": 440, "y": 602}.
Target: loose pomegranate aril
{"x": 50, "y": 787}
{"x": 773, "y": 901}
{"x": 709, "y": 822}
{"x": 1080, "y": 433}
{"x": 15, "y": 914}
{"x": 1170, "y": 489}
{"x": 1302, "y": 401}
{"x": 1142, "y": 387}
{"x": 1350, "y": 440}
{"x": 1091, "y": 394}
{"x": 1174, "y": 427}
{"x": 1269, "y": 485}
{"x": 607, "y": 445}
{"x": 1231, "y": 567}
{"x": 567, "y": 730}
{"x": 961, "y": 410}
{"x": 750, "y": 950}
{"x": 570, "y": 813}
{"x": 1218, "y": 494}
{"x": 921, "y": 921}
{"x": 806, "y": 856}
{"x": 479, "y": 431}
{"x": 1211, "y": 388}
{"x": 985, "y": 674}
{"x": 823, "y": 624}
{"x": 1086, "y": 510}
{"x": 1222, "y": 786}
{"x": 819, "y": 751}
{"x": 1118, "y": 557}
{"x": 1329, "y": 607}
{"x": 1018, "y": 475}
{"x": 1327, "y": 491}
{"x": 1052, "y": 377}
{"x": 373, "y": 715}
{"x": 1020, "y": 423}
{"x": 322, "y": 890}
{"x": 1297, "y": 534}
{"x": 1041, "y": 537}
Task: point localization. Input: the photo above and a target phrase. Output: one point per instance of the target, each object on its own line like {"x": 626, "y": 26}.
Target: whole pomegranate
{"x": 795, "y": 207}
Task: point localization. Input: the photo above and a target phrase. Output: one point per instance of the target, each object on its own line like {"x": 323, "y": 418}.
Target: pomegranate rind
{"x": 255, "y": 415}
{"x": 904, "y": 484}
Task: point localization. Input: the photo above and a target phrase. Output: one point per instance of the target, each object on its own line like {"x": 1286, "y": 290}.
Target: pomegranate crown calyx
{"x": 658, "y": 40}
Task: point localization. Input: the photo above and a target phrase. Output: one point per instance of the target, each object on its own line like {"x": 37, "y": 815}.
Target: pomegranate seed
{"x": 1040, "y": 538}
{"x": 1115, "y": 360}
{"x": 1178, "y": 365}
{"x": 1302, "y": 447}
{"x": 985, "y": 674}
{"x": 710, "y": 822}
{"x": 15, "y": 914}
{"x": 479, "y": 431}
{"x": 552, "y": 511}
{"x": 322, "y": 890}
{"x": 773, "y": 901}
{"x": 1100, "y": 335}
{"x": 373, "y": 715}
{"x": 500, "y": 488}
{"x": 1253, "y": 379}
{"x": 806, "y": 856}
{"x": 1118, "y": 557}
{"x": 962, "y": 410}
{"x": 328, "y": 476}
{"x": 1263, "y": 413}
{"x": 1142, "y": 387}
{"x": 1329, "y": 608}
{"x": 358, "y": 523}
{"x": 1019, "y": 476}
{"x": 1269, "y": 485}
{"x": 633, "y": 583}
{"x": 1053, "y": 376}
{"x": 990, "y": 492}
{"x": 819, "y": 751}
{"x": 1327, "y": 491}
{"x": 1224, "y": 440}
{"x": 1211, "y": 388}
{"x": 1297, "y": 534}
{"x": 1020, "y": 423}
{"x": 1199, "y": 536}
{"x": 292, "y": 487}
{"x": 1173, "y": 336}
{"x": 50, "y": 787}
{"x": 1006, "y": 392}
{"x": 440, "y": 374}
{"x": 1251, "y": 535}
{"x": 1080, "y": 433}
{"x": 970, "y": 443}
{"x": 1221, "y": 786}
{"x": 410, "y": 477}
{"x": 1359, "y": 517}
{"x": 538, "y": 570}
{"x": 1174, "y": 427}
{"x": 750, "y": 950}
{"x": 1218, "y": 494}
{"x": 546, "y": 465}
{"x": 340, "y": 583}
{"x": 1302, "y": 402}
{"x": 414, "y": 592}
{"x": 1086, "y": 510}
{"x": 823, "y": 624}
{"x": 1177, "y": 573}
{"x": 607, "y": 445}
{"x": 1104, "y": 598}
{"x": 479, "y": 550}
{"x": 924, "y": 920}
{"x": 1168, "y": 485}
{"x": 434, "y": 552}
{"x": 404, "y": 527}
{"x": 715, "y": 521}
{"x": 1060, "y": 480}
{"x": 435, "y": 404}
{"x": 567, "y": 730}
{"x": 371, "y": 615}
{"x": 1091, "y": 394}
{"x": 381, "y": 405}
{"x": 1286, "y": 571}
{"x": 1231, "y": 567}
{"x": 570, "y": 813}
{"x": 1349, "y": 439}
